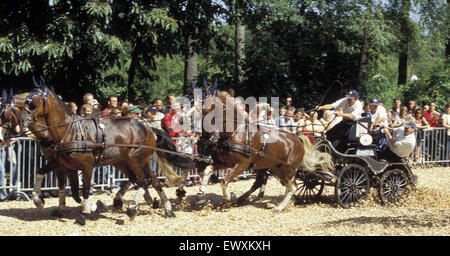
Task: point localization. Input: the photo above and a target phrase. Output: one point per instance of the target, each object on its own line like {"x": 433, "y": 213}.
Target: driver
{"x": 402, "y": 143}
{"x": 350, "y": 109}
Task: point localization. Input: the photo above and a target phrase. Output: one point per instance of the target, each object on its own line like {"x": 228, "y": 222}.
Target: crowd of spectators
{"x": 292, "y": 118}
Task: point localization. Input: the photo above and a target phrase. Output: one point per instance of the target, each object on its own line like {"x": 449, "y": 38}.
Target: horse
{"x": 10, "y": 112}
{"x": 82, "y": 143}
{"x": 241, "y": 148}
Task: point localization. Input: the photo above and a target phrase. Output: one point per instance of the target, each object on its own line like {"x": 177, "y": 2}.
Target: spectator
{"x": 124, "y": 108}
{"x": 313, "y": 125}
{"x": 289, "y": 104}
{"x": 299, "y": 121}
{"x": 282, "y": 111}
{"x": 413, "y": 77}
{"x": 96, "y": 108}
{"x": 446, "y": 125}
{"x": 86, "y": 110}
{"x": 286, "y": 122}
{"x": 158, "y": 105}
{"x": 114, "y": 113}
{"x": 135, "y": 112}
{"x": 169, "y": 100}
{"x": 112, "y": 104}
{"x": 411, "y": 106}
{"x": 73, "y": 107}
{"x": 395, "y": 111}
{"x": 154, "y": 117}
{"x": 171, "y": 121}
{"x": 88, "y": 98}
{"x": 402, "y": 118}
{"x": 432, "y": 116}
{"x": 421, "y": 124}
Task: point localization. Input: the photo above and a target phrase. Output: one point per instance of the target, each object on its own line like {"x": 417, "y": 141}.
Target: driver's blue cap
{"x": 352, "y": 94}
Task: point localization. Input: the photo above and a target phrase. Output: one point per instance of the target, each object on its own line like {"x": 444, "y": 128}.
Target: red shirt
{"x": 172, "y": 121}
{"x": 432, "y": 119}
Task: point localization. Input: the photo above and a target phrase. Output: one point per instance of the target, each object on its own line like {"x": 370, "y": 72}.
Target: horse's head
{"x": 9, "y": 116}
{"x": 35, "y": 103}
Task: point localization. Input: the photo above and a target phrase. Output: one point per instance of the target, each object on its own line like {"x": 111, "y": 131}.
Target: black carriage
{"x": 357, "y": 170}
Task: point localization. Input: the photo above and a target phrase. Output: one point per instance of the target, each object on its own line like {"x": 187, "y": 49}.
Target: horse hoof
{"x": 80, "y": 220}
{"x": 101, "y": 207}
{"x": 278, "y": 209}
{"x": 77, "y": 199}
{"x": 131, "y": 212}
{"x": 39, "y": 204}
{"x": 117, "y": 204}
{"x": 180, "y": 193}
{"x": 56, "y": 214}
{"x": 170, "y": 214}
{"x": 155, "y": 204}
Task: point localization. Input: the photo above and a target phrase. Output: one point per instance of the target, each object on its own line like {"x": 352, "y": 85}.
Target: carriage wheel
{"x": 393, "y": 188}
{"x": 352, "y": 185}
{"x": 310, "y": 187}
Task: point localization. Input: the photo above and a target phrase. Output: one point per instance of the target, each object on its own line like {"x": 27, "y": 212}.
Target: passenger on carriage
{"x": 350, "y": 109}
{"x": 401, "y": 143}
{"x": 378, "y": 115}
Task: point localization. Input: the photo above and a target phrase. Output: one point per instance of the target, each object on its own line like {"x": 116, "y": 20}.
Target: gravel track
{"x": 426, "y": 213}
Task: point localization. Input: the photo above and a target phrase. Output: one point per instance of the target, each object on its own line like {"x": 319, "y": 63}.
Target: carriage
{"x": 357, "y": 170}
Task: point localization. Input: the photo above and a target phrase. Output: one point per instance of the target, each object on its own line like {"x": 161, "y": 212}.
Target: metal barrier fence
{"x": 20, "y": 161}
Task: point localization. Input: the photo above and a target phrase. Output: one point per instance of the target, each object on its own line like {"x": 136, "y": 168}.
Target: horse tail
{"x": 166, "y": 160}
{"x": 167, "y": 170}
{"x": 313, "y": 159}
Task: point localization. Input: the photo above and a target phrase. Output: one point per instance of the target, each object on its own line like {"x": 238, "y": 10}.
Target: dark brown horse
{"x": 241, "y": 148}
{"x": 83, "y": 143}
{"x": 10, "y": 112}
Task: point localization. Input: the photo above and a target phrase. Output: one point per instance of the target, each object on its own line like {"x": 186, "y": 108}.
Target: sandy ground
{"x": 426, "y": 213}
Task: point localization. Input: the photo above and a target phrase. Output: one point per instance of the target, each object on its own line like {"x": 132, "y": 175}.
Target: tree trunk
{"x": 131, "y": 93}
{"x": 190, "y": 67}
{"x": 364, "y": 49}
{"x": 404, "y": 40}
{"x": 239, "y": 45}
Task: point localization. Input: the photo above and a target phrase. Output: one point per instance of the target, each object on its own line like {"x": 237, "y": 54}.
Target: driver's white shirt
{"x": 404, "y": 144}
{"x": 356, "y": 109}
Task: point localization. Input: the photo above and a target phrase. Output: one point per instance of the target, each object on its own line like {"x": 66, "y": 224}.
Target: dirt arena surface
{"x": 426, "y": 213}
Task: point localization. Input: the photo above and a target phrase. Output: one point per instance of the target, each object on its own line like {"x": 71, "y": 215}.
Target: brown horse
{"x": 82, "y": 143}
{"x": 241, "y": 148}
{"x": 10, "y": 112}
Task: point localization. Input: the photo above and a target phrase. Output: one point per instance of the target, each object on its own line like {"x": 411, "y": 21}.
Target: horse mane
{"x": 65, "y": 107}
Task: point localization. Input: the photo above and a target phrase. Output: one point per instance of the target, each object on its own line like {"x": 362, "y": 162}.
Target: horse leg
{"x": 290, "y": 188}
{"x": 265, "y": 177}
{"x": 74, "y": 185}
{"x": 237, "y": 169}
{"x": 117, "y": 203}
{"x": 259, "y": 181}
{"x": 158, "y": 187}
{"x": 207, "y": 172}
{"x": 88, "y": 207}
{"x": 38, "y": 199}
{"x": 61, "y": 176}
